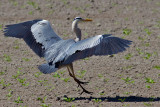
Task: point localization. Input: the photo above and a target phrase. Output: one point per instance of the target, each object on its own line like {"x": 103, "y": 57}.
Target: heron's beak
{"x": 87, "y": 20}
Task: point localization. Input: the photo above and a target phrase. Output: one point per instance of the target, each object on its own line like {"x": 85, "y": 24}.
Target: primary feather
{"x": 97, "y": 45}
{"x": 38, "y": 34}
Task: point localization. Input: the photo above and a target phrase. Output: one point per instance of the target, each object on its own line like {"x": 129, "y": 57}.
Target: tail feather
{"x": 47, "y": 69}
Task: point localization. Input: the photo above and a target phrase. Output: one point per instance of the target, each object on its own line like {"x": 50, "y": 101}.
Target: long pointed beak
{"x": 87, "y": 19}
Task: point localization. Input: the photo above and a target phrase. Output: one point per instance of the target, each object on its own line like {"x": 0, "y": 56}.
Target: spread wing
{"x": 38, "y": 34}
{"x": 97, "y": 45}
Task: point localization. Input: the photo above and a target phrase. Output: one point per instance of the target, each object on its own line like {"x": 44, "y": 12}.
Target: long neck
{"x": 76, "y": 30}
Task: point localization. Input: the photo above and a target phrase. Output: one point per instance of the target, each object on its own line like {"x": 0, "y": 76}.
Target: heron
{"x": 42, "y": 39}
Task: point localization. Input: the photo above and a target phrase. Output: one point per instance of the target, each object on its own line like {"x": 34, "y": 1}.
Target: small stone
{"x": 98, "y": 24}
{"x": 68, "y": 18}
{"x": 58, "y": 98}
{"x": 92, "y": 0}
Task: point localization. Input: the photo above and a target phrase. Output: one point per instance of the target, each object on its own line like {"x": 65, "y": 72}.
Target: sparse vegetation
{"x": 56, "y": 75}
{"x": 122, "y": 99}
{"x": 50, "y": 88}
{"x": 26, "y": 59}
{"x": 127, "y": 31}
{"x": 128, "y": 80}
{"x": 127, "y": 67}
{"x": 97, "y": 100}
{"x": 9, "y": 95}
{"x": 33, "y": 4}
{"x": 7, "y": 58}
{"x": 18, "y": 74}
{"x": 45, "y": 105}
{"x": 0, "y": 27}
{"x": 42, "y": 100}
{"x": 16, "y": 47}
{"x": 101, "y": 93}
{"x": 157, "y": 67}
{"x": 30, "y": 12}
{"x": 148, "y": 86}
{"x": 37, "y": 74}
{"x": 68, "y": 99}
{"x": 147, "y": 56}
{"x": 22, "y": 81}
{"x": 18, "y": 100}
{"x": 127, "y": 93}
{"x": 147, "y": 104}
{"x": 100, "y": 75}
{"x": 4, "y": 84}
{"x": 149, "y": 80}
{"x": 140, "y": 51}
{"x": 147, "y": 31}
{"x": 65, "y": 79}
{"x": 2, "y": 73}
{"x": 81, "y": 74}
{"x": 128, "y": 56}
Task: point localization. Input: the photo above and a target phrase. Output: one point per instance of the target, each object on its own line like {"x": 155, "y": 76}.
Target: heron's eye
{"x": 77, "y": 18}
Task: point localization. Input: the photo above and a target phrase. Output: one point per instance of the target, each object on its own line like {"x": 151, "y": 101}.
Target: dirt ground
{"x": 129, "y": 79}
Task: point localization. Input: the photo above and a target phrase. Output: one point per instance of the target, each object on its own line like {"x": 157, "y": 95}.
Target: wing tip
{"x": 106, "y": 35}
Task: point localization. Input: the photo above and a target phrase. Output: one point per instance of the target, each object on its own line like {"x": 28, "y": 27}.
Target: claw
{"x": 81, "y": 82}
{"x": 85, "y": 83}
{"x": 88, "y": 92}
{"x": 84, "y": 90}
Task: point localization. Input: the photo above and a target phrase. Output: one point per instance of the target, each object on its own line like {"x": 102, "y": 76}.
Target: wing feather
{"x": 38, "y": 34}
{"x": 97, "y": 45}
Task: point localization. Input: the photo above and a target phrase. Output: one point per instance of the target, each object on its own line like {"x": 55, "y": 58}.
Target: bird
{"x": 42, "y": 39}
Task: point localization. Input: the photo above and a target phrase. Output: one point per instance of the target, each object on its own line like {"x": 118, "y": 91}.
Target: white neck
{"x": 76, "y": 30}
{"x": 74, "y": 25}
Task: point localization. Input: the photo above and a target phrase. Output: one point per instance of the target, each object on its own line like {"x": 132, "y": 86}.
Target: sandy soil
{"x": 131, "y": 78}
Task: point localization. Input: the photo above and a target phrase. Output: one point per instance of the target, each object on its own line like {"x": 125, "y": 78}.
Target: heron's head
{"x": 75, "y": 26}
{"x": 79, "y": 19}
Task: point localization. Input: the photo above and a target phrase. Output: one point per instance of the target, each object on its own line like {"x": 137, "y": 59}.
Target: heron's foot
{"x": 81, "y": 82}
{"x": 77, "y": 80}
{"x": 85, "y": 91}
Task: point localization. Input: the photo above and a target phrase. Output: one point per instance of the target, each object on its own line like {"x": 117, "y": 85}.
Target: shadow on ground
{"x": 119, "y": 99}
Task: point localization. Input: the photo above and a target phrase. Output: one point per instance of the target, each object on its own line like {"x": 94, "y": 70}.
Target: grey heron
{"x": 41, "y": 38}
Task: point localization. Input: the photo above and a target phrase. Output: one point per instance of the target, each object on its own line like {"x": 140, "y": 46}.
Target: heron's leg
{"x": 70, "y": 69}
{"x": 69, "y": 72}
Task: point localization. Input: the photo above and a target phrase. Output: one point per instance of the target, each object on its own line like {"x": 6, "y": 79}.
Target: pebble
{"x": 58, "y": 98}
{"x": 98, "y": 24}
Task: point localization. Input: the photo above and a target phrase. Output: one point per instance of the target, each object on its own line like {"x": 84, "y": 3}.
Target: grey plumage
{"x": 47, "y": 69}
{"x": 44, "y": 34}
{"x": 38, "y": 34}
{"x": 23, "y": 30}
{"x": 42, "y": 39}
{"x": 97, "y": 45}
